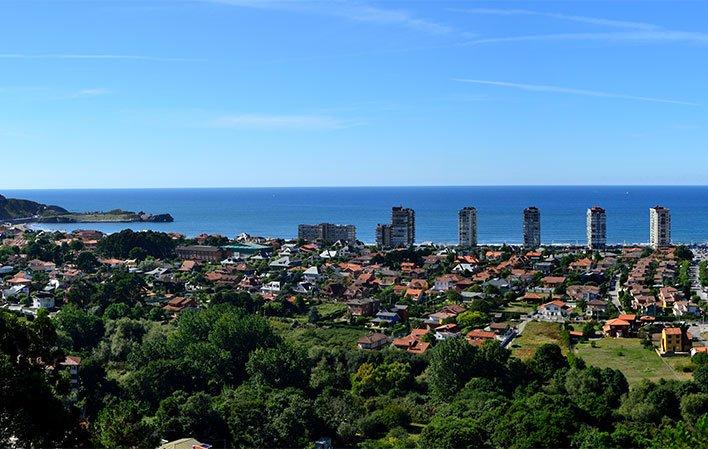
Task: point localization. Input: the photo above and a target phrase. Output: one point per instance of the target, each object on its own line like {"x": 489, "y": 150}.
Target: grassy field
{"x": 635, "y": 361}
{"x": 323, "y": 337}
{"x": 518, "y": 307}
{"x": 535, "y": 334}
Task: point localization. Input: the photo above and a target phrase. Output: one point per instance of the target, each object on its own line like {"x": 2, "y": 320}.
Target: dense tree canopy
{"x": 120, "y": 244}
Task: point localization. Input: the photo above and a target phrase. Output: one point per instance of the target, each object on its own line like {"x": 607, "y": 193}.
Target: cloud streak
{"x": 563, "y": 17}
{"x": 657, "y": 36}
{"x": 626, "y": 31}
{"x": 280, "y": 122}
{"x": 354, "y": 11}
{"x": 98, "y": 56}
{"x": 571, "y": 91}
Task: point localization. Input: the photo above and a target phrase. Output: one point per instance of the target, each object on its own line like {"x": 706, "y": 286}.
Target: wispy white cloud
{"x": 281, "y": 122}
{"x": 92, "y": 92}
{"x": 571, "y": 91}
{"x": 657, "y": 36}
{"x": 627, "y": 31}
{"x": 564, "y": 17}
{"x": 355, "y": 11}
{"x": 92, "y": 56}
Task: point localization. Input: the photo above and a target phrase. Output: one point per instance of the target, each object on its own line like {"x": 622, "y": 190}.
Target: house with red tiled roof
{"x": 554, "y": 309}
{"x": 415, "y": 294}
{"x": 412, "y": 342}
{"x": 407, "y": 267}
{"x": 477, "y": 337}
{"x": 373, "y": 341}
{"x": 616, "y": 328}
{"x": 581, "y": 264}
{"x": 552, "y": 281}
{"x": 178, "y": 304}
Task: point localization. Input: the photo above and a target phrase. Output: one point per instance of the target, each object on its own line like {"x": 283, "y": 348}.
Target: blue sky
{"x": 218, "y": 93}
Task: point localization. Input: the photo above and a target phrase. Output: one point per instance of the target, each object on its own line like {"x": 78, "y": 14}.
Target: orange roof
{"x": 419, "y": 347}
{"x": 672, "y": 331}
{"x": 553, "y": 279}
{"x": 480, "y": 334}
{"x": 617, "y": 322}
{"x": 533, "y": 254}
{"x": 414, "y": 292}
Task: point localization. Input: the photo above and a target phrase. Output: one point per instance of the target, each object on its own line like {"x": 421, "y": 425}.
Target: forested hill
{"x": 11, "y": 208}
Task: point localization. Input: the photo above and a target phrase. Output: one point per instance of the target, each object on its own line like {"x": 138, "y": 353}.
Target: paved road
{"x": 614, "y": 294}
{"x": 695, "y": 280}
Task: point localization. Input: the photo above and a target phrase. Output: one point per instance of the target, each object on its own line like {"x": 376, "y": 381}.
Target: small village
{"x": 614, "y": 307}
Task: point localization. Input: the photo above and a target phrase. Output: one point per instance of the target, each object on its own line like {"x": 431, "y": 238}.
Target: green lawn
{"x": 518, "y": 307}
{"x": 323, "y": 337}
{"x": 635, "y": 362}
{"x": 331, "y": 310}
{"x": 535, "y": 334}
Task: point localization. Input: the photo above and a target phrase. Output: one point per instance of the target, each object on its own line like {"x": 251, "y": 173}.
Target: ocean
{"x": 276, "y": 212}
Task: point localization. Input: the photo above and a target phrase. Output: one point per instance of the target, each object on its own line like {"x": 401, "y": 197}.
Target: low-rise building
{"x": 674, "y": 340}
{"x": 373, "y": 341}
{"x": 201, "y": 253}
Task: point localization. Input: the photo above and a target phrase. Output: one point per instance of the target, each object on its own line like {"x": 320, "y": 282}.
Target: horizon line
{"x": 346, "y": 187}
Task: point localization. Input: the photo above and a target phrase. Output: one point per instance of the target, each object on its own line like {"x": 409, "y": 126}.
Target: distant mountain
{"x": 26, "y": 211}
{"x": 11, "y": 208}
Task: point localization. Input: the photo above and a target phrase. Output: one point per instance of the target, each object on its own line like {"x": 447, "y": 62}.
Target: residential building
{"x": 363, "y": 307}
{"x": 659, "y": 227}
{"x": 554, "y": 309}
{"x": 327, "y": 233}
{"x": 185, "y": 443}
{"x": 383, "y": 235}
{"x": 674, "y": 339}
{"x": 468, "y": 226}
{"x": 401, "y": 231}
{"x": 201, "y": 253}
{"x": 596, "y": 228}
{"x": 532, "y": 227}
{"x": 373, "y": 341}
{"x": 72, "y": 363}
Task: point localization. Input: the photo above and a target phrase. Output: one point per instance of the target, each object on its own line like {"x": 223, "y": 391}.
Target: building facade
{"x": 401, "y": 231}
{"x": 532, "y": 227}
{"x": 327, "y": 232}
{"x": 468, "y": 227}
{"x": 659, "y": 227}
{"x": 201, "y": 253}
{"x": 597, "y": 228}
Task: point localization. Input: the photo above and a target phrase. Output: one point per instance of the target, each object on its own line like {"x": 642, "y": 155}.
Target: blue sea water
{"x": 276, "y": 212}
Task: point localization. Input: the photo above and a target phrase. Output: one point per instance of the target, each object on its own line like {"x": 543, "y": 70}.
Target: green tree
{"x": 86, "y": 261}
{"x": 453, "y": 362}
{"x": 370, "y": 380}
{"x": 550, "y": 425}
{"x": 124, "y": 425}
{"x": 279, "y": 367}
{"x": 472, "y": 319}
{"x": 83, "y": 328}
{"x": 547, "y": 360}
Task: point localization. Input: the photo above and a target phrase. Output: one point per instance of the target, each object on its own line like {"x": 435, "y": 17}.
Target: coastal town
{"x": 636, "y": 309}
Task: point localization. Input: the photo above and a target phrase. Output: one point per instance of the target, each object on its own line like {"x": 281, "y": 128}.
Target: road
{"x": 614, "y": 294}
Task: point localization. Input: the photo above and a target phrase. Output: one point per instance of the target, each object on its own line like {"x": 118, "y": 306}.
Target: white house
{"x": 14, "y": 291}
{"x": 271, "y": 287}
{"x": 43, "y": 302}
{"x": 444, "y": 283}
{"x": 312, "y": 274}
{"x": 284, "y": 262}
{"x": 328, "y": 254}
{"x": 554, "y": 309}
{"x": 464, "y": 267}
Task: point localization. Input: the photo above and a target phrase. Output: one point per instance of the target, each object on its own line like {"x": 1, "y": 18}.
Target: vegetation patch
{"x": 635, "y": 362}
{"x": 535, "y": 334}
